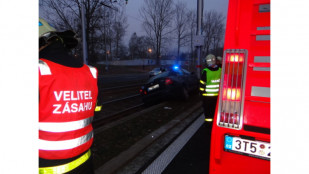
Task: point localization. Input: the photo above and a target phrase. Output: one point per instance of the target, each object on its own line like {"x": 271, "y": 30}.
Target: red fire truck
{"x": 240, "y": 138}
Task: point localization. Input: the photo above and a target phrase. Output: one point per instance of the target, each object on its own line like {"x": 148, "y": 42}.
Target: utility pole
{"x": 85, "y": 53}
{"x": 200, "y": 5}
{"x": 105, "y": 44}
{"x": 105, "y": 34}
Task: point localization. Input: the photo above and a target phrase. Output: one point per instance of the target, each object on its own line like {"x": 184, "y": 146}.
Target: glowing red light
{"x": 231, "y": 93}
{"x": 229, "y": 118}
{"x": 235, "y": 58}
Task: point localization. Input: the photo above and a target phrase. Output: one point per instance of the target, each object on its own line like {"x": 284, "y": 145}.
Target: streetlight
{"x": 149, "y": 51}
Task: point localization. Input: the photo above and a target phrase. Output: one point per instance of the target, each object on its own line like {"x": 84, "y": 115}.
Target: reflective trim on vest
{"x": 212, "y": 90}
{"x": 93, "y": 71}
{"x": 215, "y": 81}
{"x": 65, "y": 144}
{"x": 44, "y": 68}
{"x": 98, "y": 108}
{"x": 202, "y": 82}
{"x": 65, "y": 167}
{"x": 212, "y": 86}
{"x": 202, "y": 89}
{"x": 65, "y": 126}
{"x": 207, "y": 94}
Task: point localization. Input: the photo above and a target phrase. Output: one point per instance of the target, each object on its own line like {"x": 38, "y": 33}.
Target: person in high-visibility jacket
{"x": 209, "y": 86}
{"x": 67, "y": 99}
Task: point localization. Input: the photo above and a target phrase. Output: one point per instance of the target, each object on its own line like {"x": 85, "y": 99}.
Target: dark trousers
{"x": 209, "y": 106}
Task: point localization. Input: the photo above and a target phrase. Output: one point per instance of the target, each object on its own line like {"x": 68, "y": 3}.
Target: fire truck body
{"x": 240, "y": 140}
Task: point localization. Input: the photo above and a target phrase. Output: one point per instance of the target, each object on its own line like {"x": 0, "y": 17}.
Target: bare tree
{"x": 66, "y": 14}
{"x": 119, "y": 27}
{"x": 219, "y": 33}
{"x": 181, "y": 22}
{"x": 157, "y": 15}
{"x": 139, "y": 46}
{"x": 133, "y": 45}
{"x": 191, "y": 16}
{"x": 213, "y": 28}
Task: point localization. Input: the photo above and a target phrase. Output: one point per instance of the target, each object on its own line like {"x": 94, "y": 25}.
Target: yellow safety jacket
{"x": 212, "y": 84}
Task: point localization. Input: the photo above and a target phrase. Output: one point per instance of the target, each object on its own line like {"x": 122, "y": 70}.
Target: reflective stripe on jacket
{"x": 67, "y": 99}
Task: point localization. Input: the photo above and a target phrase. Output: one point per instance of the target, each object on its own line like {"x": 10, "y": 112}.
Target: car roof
{"x": 163, "y": 74}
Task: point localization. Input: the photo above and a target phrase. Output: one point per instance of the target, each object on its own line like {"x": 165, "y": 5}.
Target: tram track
{"x": 115, "y": 116}
{"x": 147, "y": 148}
{"x": 120, "y": 101}
{"x": 121, "y": 87}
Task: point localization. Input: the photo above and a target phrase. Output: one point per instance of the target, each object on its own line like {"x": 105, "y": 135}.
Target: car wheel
{"x": 185, "y": 93}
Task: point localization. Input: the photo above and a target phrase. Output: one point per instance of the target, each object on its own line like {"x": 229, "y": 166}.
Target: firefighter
{"x": 67, "y": 98}
{"x": 209, "y": 86}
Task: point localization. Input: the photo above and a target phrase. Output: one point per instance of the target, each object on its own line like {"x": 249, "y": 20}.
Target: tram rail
{"x": 121, "y": 87}
{"x": 97, "y": 122}
{"x": 121, "y": 101}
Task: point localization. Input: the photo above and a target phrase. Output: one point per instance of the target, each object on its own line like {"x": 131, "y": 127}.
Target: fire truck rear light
{"x": 231, "y": 94}
{"x": 232, "y": 89}
{"x": 235, "y": 58}
{"x": 229, "y": 120}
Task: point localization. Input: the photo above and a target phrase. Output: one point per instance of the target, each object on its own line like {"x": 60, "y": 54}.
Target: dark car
{"x": 174, "y": 83}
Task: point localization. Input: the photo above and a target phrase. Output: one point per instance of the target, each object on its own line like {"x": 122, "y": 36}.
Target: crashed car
{"x": 173, "y": 83}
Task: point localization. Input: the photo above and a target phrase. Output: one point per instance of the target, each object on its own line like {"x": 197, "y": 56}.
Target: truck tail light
{"x": 232, "y": 89}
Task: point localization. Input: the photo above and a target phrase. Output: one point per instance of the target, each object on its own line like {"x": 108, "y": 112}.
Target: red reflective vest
{"x": 67, "y": 99}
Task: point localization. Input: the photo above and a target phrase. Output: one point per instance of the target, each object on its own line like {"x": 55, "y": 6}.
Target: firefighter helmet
{"x": 44, "y": 28}
{"x": 48, "y": 33}
{"x": 210, "y": 60}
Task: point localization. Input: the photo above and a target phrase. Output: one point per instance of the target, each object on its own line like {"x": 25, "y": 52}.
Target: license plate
{"x": 153, "y": 87}
{"x": 257, "y": 149}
